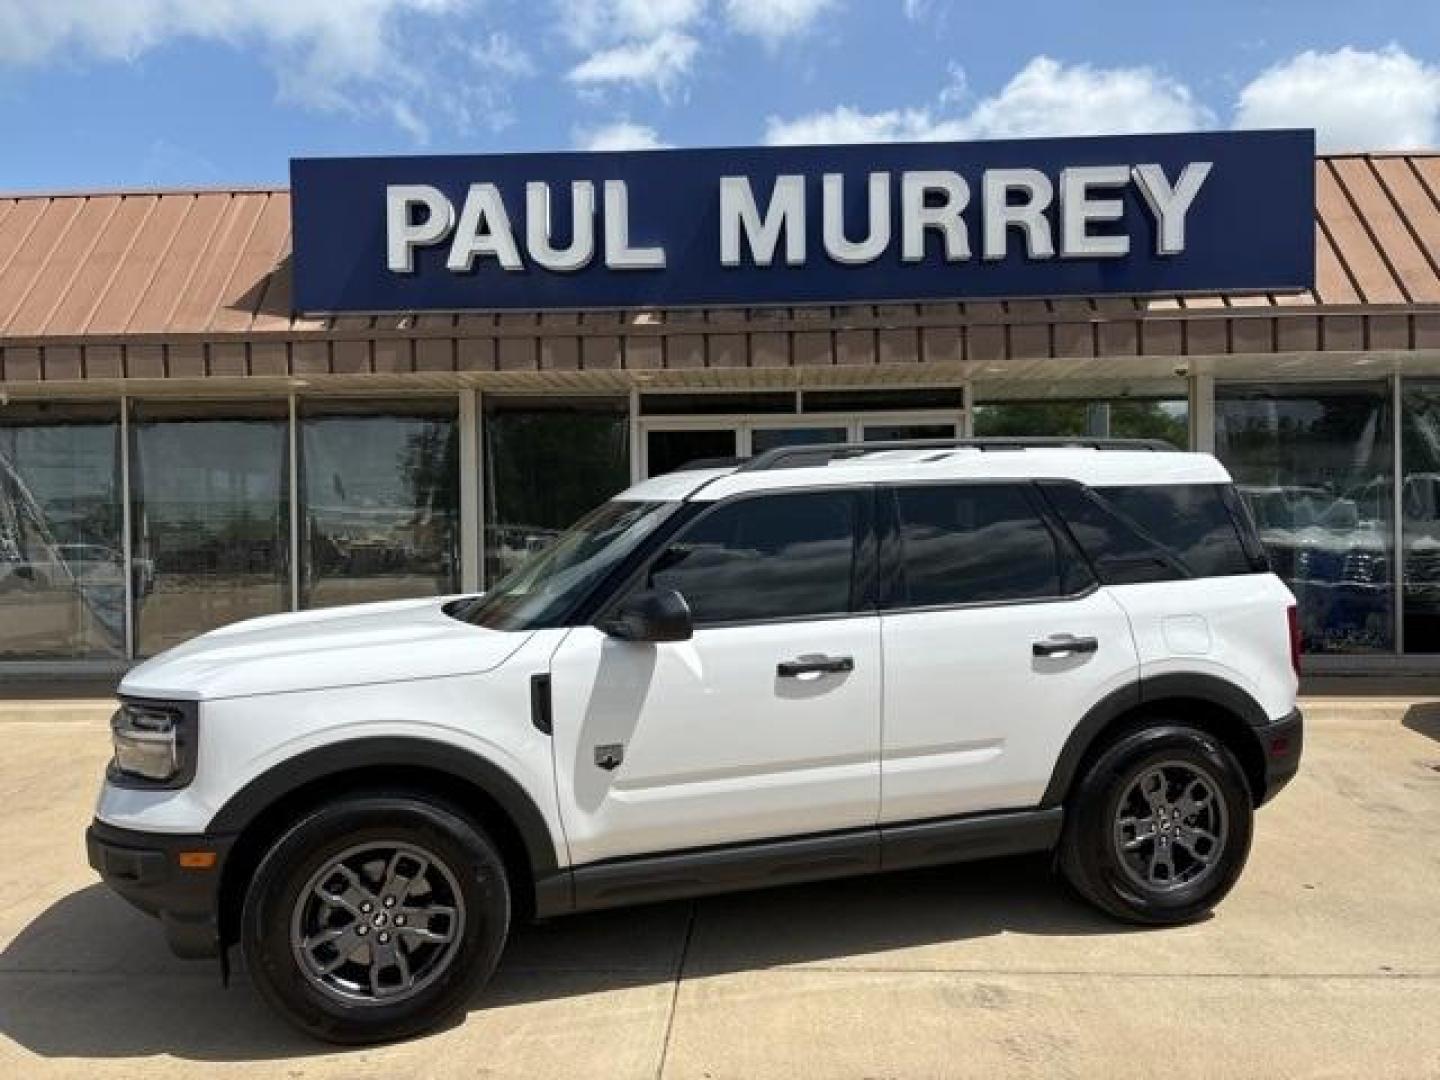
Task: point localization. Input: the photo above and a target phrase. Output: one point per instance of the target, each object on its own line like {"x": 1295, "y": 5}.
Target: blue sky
{"x": 109, "y": 93}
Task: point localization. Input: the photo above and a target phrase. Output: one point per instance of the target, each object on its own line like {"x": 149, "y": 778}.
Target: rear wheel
{"x": 375, "y": 917}
{"x": 1159, "y": 827}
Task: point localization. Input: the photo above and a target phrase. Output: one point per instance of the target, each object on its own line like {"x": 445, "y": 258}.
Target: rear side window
{"x": 1157, "y": 532}
{"x": 766, "y": 557}
{"x": 976, "y": 544}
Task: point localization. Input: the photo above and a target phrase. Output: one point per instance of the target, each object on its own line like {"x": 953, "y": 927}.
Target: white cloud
{"x": 660, "y": 62}
{"x": 1355, "y": 100}
{"x": 620, "y": 135}
{"x": 846, "y": 125}
{"x": 361, "y": 56}
{"x": 774, "y": 20}
{"x": 1047, "y": 97}
{"x": 1044, "y": 98}
{"x": 593, "y": 24}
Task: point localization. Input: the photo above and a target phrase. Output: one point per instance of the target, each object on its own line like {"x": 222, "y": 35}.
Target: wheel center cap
{"x": 380, "y": 920}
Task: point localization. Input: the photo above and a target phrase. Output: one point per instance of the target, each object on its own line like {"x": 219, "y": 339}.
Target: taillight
{"x": 1292, "y": 618}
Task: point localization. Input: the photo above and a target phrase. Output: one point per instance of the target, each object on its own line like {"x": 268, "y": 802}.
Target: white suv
{"x": 825, "y": 661}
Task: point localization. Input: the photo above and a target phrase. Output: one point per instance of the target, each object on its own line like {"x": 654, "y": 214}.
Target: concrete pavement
{"x": 1325, "y": 961}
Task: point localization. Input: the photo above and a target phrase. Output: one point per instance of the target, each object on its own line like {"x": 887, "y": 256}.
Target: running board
{"x": 705, "y": 871}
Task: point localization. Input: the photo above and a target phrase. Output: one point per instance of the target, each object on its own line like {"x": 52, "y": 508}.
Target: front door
{"x": 765, "y": 724}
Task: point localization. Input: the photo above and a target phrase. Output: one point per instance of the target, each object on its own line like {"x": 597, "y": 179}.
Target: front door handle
{"x": 814, "y": 665}
{"x": 1064, "y": 645}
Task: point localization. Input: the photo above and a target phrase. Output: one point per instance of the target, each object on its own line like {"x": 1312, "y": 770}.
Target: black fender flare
{"x": 265, "y": 790}
{"x": 1192, "y": 686}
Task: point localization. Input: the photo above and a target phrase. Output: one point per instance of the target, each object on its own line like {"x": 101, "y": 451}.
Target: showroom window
{"x": 1420, "y": 514}
{"x": 1314, "y": 463}
{"x": 547, "y": 463}
{"x": 210, "y": 516}
{"x": 379, "y": 500}
{"x": 62, "y": 575}
{"x": 1120, "y": 418}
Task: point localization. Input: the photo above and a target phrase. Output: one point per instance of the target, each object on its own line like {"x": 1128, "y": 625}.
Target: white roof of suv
{"x": 1088, "y": 465}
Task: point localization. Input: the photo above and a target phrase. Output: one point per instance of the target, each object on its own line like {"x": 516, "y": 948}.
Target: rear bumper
{"x": 1281, "y": 743}
{"x": 145, "y": 869}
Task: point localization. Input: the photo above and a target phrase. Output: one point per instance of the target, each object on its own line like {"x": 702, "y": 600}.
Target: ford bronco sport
{"x": 823, "y": 661}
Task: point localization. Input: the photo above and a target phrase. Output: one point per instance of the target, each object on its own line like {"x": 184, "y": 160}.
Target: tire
{"x": 365, "y": 853}
{"x": 1136, "y": 847}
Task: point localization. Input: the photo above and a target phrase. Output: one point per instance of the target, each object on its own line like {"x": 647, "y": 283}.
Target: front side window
{"x": 765, "y": 557}
{"x": 977, "y": 544}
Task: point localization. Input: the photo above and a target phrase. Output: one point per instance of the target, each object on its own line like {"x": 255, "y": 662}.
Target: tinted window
{"x": 765, "y": 557}
{"x": 978, "y": 544}
{"x": 1154, "y": 533}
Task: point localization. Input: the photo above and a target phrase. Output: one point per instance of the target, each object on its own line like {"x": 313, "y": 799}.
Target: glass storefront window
{"x": 380, "y": 500}
{"x": 547, "y": 463}
{"x": 1420, "y": 514}
{"x": 1314, "y": 464}
{"x": 1121, "y": 418}
{"x": 210, "y": 515}
{"x": 62, "y": 577}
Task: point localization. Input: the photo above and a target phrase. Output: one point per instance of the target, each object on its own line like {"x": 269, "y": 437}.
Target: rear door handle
{"x": 1064, "y": 645}
{"x": 814, "y": 665}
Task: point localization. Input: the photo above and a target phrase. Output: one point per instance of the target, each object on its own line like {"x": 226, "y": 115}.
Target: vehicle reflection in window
{"x": 1314, "y": 465}
{"x": 1420, "y": 515}
{"x": 62, "y": 585}
{"x": 381, "y": 493}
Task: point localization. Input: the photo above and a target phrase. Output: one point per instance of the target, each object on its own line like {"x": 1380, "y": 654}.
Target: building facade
{"x": 179, "y": 448}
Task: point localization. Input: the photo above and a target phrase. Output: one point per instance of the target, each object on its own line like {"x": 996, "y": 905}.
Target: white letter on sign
{"x": 484, "y": 229}
{"x": 1029, "y": 215}
{"x": 619, "y": 255}
{"x": 1078, "y": 209}
{"x": 402, "y": 234}
{"x": 916, "y": 215}
{"x": 877, "y": 239}
{"x": 582, "y": 229}
{"x": 1170, "y": 205}
{"x": 739, "y": 214}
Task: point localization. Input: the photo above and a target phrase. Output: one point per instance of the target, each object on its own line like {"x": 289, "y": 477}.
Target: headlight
{"x": 154, "y": 744}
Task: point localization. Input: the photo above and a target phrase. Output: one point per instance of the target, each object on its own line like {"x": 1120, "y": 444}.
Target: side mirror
{"x": 651, "y": 615}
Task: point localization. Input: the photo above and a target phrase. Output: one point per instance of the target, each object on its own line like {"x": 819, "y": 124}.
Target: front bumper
{"x": 1281, "y": 743}
{"x": 145, "y": 868}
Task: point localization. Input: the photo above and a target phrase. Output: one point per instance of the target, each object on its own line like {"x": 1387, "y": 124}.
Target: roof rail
{"x": 799, "y": 457}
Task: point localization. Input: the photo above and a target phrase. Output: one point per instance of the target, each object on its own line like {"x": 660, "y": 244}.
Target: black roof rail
{"x": 799, "y": 457}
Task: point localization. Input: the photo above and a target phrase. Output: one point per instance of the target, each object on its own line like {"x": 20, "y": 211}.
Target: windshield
{"x": 543, "y": 590}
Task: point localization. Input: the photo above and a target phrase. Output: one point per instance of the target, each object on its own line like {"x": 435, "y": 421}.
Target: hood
{"x": 330, "y": 647}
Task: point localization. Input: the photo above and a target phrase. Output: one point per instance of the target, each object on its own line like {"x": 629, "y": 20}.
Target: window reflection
{"x": 381, "y": 501}
{"x": 547, "y": 463}
{"x": 1120, "y": 418}
{"x": 210, "y": 517}
{"x": 1314, "y": 464}
{"x": 1420, "y": 515}
{"x": 62, "y": 585}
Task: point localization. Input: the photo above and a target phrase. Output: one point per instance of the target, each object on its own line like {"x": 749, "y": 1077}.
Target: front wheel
{"x": 375, "y": 917}
{"x": 1159, "y": 827}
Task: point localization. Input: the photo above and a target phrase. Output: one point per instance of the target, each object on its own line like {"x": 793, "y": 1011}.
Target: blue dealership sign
{"x": 1130, "y": 214}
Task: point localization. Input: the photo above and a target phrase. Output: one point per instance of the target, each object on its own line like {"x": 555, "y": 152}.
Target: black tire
{"x": 361, "y": 828}
{"x": 1104, "y": 852}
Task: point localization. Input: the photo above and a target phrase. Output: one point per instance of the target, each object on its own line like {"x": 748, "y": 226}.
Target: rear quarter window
{"x": 1156, "y": 532}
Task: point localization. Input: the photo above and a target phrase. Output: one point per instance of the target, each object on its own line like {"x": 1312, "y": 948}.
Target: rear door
{"x": 997, "y": 640}
{"x": 766, "y": 723}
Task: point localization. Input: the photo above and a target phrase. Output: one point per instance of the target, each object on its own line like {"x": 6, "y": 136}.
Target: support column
{"x": 472, "y": 493}
{"x": 1202, "y": 413}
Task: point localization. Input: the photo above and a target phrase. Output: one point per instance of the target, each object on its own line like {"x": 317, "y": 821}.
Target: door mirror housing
{"x": 651, "y": 615}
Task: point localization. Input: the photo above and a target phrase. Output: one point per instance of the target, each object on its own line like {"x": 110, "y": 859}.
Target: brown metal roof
{"x": 137, "y": 270}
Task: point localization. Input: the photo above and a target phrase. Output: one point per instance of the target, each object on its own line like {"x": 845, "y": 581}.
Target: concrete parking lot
{"x": 1325, "y": 961}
